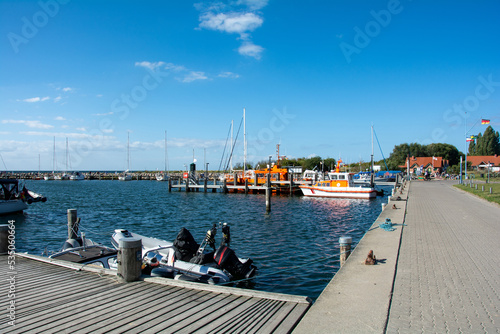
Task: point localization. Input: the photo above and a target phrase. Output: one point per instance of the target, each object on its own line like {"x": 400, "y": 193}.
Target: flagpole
{"x": 465, "y": 146}
{"x": 466, "y": 149}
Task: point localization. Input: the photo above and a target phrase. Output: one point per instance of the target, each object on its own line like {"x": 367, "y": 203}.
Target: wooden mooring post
{"x": 224, "y": 186}
{"x": 268, "y": 193}
{"x": 72, "y": 224}
{"x": 129, "y": 259}
{"x": 345, "y": 249}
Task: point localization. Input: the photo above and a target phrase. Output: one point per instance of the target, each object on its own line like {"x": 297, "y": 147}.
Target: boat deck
{"x": 76, "y": 298}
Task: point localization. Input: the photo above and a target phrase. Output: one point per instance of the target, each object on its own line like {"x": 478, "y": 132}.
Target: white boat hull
{"x": 77, "y": 177}
{"x": 12, "y": 206}
{"x": 161, "y": 177}
{"x": 339, "y": 192}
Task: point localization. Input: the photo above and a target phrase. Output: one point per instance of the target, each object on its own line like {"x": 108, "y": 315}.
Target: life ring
{"x": 338, "y": 184}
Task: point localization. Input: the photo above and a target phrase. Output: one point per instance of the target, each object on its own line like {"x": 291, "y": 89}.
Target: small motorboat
{"x": 79, "y": 249}
{"x": 13, "y": 200}
{"x": 77, "y": 176}
{"x": 338, "y": 185}
{"x": 184, "y": 259}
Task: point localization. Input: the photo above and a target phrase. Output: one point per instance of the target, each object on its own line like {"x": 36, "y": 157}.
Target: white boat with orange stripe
{"x": 338, "y": 185}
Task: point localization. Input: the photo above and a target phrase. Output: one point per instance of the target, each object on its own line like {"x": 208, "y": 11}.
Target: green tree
{"x": 485, "y": 144}
{"x": 312, "y": 162}
{"x": 447, "y": 151}
{"x": 330, "y": 163}
{"x": 400, "y": 152}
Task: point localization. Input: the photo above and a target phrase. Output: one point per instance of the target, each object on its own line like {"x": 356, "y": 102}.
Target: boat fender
{"x": 162, "y": 272}
{"x": 171, "y": 258}
{"x": 200, "y": 279}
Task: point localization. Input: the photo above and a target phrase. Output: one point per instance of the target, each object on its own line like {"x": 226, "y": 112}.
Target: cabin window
{"x": 334, "y": 177}
{"x": 341, "y": 177}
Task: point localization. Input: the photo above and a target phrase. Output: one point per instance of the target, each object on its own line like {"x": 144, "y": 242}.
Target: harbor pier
{"x": 437, "y": 273}
{"x": 41, "y": 295}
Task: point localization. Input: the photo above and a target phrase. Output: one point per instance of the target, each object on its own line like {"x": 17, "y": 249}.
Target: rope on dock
{"x": 388, "y": 225}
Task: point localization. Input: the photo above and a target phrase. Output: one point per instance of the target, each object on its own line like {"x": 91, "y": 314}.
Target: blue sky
{"x": 313, "y": 76}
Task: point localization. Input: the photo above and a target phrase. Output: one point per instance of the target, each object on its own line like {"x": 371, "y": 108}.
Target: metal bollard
{"x": 345, "y": 249}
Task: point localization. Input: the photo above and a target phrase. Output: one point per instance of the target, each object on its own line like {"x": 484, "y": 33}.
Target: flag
{"x": 473, "y": 136}
{"x": 485, "y": 121}
{"x": 469, "y": 139}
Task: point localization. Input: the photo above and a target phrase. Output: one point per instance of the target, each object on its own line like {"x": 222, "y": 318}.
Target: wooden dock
{"x": 64, "y": 297}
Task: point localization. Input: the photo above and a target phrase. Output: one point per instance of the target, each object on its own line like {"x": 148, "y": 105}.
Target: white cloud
{"x": 240, "y": 17}
{"x": 107, "y": 130}
{"x": 185, "y": 75}
{"x": 57, "y": 99}
{"x": 193, "y": 75}
{"x": 60, "y": 118}
{"x": 175, "y": 68}
{"x": 239, "y": 23}
{"x": 67, "y": 89}
{"x": 35, "y": 99}
{"x": 104, "y": 114}
{"x": 230, "y": 75}
{"x": 151, "y": 66}
{"x": 81, "y": 129}
{"x": 30, "y": 124}
{"x": 253, "y": 4}
{"x": 251, "y": 50}
{"x": 99, "y": 95}
{"x": 67, "y": 134}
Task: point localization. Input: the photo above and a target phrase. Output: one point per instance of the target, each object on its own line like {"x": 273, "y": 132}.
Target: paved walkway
{"x": 448, "y": 271}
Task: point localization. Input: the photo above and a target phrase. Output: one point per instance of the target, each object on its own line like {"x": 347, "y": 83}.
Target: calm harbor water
{"x": 285, "y": 245}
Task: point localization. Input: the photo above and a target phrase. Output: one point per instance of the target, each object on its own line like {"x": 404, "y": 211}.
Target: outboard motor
{"x": 227, "y": 260}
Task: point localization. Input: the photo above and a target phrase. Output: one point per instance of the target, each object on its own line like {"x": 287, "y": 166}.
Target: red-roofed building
{"x": 480, "y": 162}
{"x": 429, "y": 164}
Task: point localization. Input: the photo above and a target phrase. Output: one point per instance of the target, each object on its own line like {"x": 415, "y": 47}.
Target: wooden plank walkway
{"x": 50, "y": 298}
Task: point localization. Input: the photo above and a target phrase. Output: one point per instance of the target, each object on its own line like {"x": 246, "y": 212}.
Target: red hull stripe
{"x": 342, "y": 191}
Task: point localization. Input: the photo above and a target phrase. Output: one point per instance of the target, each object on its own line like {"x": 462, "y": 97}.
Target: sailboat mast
{"x": 244, "y": 143}
{"x": 128, "y": 150}
{"x": 372, "y": 177}
{"x": 54, "y": 156}
{"x": 165, "y": 167}
{"x": 231, "y": 156}
{"x": 67, "y": 154}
